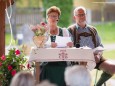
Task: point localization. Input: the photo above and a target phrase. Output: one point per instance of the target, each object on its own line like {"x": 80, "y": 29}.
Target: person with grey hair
{"x": 77, "y": 75}
{"x": 23, "y": 79}
{"x": 87, "y": 35}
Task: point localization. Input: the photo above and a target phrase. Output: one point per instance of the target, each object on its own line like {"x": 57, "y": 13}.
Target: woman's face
{"x": 53, "y": 18}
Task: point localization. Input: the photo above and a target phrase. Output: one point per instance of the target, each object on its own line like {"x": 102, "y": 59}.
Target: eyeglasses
{"x": 80, "y": 15}
{"x": 52, "y": 16}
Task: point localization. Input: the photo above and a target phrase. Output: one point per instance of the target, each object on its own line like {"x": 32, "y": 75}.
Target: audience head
{"x": 77, "y": 76}
{"x": 46, "y": 83}
{"x": 23, "y": 79}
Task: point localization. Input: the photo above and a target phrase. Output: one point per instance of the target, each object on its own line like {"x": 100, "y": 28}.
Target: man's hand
{"x": 97, "y": 57}
{"x": 70, "y": 44}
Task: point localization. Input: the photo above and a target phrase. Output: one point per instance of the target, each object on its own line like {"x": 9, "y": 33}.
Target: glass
{"x": 80, "y": 15}
{"x": 41, "y": 40}
{"x": 53, "y": 16}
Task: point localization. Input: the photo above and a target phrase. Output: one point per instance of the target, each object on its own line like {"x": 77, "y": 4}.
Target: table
{"x": 61, "y": 54}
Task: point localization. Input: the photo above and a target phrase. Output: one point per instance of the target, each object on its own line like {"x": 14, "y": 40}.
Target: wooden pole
{"x": 2, "y": 28}
{"x": 2, "y": 24}
{"x": 37, "y": 72}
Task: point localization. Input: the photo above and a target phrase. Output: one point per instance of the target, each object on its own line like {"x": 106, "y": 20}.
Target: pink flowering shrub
{"x": 10, "y": 64}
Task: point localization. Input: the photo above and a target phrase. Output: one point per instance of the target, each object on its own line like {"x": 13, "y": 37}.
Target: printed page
{"x": 62, "y": 41}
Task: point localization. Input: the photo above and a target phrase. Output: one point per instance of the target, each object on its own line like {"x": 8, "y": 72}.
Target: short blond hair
{"x": 53, "y": 9}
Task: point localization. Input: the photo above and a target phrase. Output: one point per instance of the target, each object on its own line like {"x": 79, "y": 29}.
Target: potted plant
{"x": 10, "y": 64}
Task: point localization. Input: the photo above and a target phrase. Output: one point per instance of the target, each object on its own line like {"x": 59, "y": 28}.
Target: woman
{"x": 23, "y": 79}
{"x": 54, "y": 71}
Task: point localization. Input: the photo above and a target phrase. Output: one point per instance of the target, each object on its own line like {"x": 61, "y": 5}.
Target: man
{"x": 77, "y": 76}
{"x": 86, "y": 35}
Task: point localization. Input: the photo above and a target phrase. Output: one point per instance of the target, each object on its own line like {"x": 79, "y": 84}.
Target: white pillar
{"x": 89, "y": 16}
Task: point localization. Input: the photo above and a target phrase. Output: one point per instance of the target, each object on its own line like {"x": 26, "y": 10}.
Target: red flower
{"x": 0, "y": 64}
{"x": 42, "y": 23}
{"x": 17, "y": 52}
{"x": 3, "y": 58}
{"x": 10, "y": 67}
{"x": 28, "y": 66}
{"x": 13, "y": 72}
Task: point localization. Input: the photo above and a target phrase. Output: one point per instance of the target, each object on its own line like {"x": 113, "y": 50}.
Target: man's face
{"x": 80, "y": 16}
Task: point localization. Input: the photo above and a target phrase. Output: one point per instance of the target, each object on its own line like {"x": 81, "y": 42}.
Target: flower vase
{"x": 39, "y": 41}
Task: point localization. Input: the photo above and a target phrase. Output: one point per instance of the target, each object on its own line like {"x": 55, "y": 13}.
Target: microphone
{"x": 77, "y": 45}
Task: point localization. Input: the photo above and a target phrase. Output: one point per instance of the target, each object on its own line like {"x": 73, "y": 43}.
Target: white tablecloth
{"x": 63, "y": 54}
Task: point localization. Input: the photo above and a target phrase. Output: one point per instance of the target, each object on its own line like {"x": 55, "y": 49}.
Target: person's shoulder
{"x": 72, "y": 26}
{"x": 91, "y": 27}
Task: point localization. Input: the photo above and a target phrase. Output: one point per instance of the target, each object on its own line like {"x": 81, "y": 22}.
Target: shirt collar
{"x": 77, "y": 26}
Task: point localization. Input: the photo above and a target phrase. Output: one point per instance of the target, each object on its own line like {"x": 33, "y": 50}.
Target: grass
{"x": 8, "y": 39}
{"x": 109, "y": 54}
{"x": 106, "y": 32}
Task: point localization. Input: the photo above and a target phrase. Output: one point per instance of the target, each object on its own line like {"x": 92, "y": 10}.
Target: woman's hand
{"x": 70, "y": 44}
{"x": 53, "y": 44}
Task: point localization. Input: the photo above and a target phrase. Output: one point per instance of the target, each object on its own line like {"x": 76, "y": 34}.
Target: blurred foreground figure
{"x": 23, "y": 79}
{"x": 46, "y": 83}
{"x": 77, "y": 75}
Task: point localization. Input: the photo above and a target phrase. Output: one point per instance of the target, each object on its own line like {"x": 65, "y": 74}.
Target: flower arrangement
{"x": 39, "y": 30}
{"x": 11, "y": 64}
{"x": 41, "y": 34}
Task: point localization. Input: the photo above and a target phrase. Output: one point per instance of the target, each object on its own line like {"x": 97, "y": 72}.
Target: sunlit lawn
{"x": 106, "y": 32}
{"x": 109, "y": 54}
{"x": 8, "y": 39}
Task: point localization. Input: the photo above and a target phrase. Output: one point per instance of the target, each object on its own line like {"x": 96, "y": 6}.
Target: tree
{"x": 66, "y": 7}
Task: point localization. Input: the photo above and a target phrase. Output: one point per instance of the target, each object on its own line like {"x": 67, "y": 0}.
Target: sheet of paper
{"x": 62, "y": 41}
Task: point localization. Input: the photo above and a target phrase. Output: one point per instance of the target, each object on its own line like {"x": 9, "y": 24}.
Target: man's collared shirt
{"x": 87, "y": 41}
